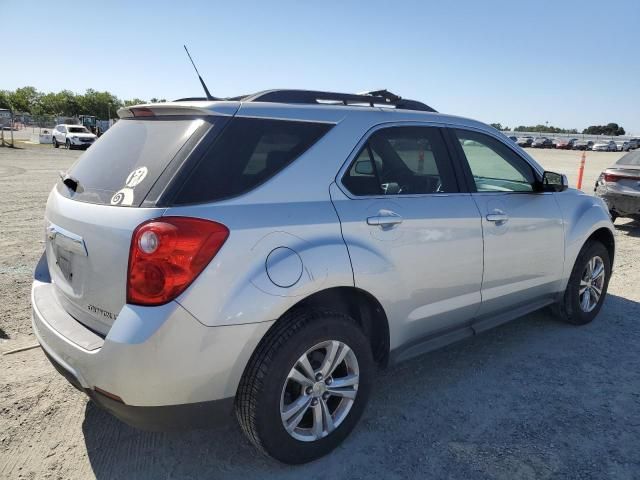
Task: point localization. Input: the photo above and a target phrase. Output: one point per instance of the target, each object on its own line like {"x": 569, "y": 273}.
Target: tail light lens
{"x": 612, "y": 177}
{"x": 168, "y": 254}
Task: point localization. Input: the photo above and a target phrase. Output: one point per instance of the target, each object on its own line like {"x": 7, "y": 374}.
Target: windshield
{"x": 78, "y": 130}
{"x": 122, "y": 166}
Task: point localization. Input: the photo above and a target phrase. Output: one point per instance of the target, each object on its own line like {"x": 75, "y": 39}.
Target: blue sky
{"x": 571, "y": 63}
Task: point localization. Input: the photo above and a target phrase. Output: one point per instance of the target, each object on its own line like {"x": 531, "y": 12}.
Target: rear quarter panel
{"x": 237, "y": 288}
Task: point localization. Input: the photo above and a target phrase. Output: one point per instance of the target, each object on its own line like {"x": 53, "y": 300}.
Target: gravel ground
{"x": 531, "y": 399}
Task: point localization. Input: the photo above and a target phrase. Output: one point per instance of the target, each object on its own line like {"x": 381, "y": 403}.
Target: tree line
{"x": 66, "y": 103}
{"x": 611, "y": 129}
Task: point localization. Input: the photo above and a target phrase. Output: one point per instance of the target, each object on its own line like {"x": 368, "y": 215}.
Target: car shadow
{"x": 631, "y": 228}
{"x": 489, "y": 405}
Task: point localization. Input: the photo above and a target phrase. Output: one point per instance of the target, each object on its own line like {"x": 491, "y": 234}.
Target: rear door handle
{"x": 497, "y": 217}
{"x": 385, "y": 219}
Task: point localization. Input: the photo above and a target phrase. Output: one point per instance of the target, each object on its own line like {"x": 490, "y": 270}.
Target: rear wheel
{"x": 587, "y": 287}
{"x": 55, "y": 143}
{"x": 306, "y": 386}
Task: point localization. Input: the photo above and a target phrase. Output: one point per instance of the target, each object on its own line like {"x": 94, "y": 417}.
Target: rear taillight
{"x": 612, "y": 177}
{"x": 167, "y": 254}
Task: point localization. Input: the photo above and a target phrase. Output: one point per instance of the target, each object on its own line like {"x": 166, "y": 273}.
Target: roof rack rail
{"x": 372, "y": 99}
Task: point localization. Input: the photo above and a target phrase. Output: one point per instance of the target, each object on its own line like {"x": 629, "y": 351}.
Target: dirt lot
{"x": 532, "y": 399}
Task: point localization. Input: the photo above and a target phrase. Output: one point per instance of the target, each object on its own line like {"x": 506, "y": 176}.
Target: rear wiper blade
{"x": 72, "y": 183}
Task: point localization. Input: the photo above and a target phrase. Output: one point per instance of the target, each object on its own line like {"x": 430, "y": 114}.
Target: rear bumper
{"x": 621, "y": 204}
{"x": 163, "y": 418}
{"x": 167, "y": 367}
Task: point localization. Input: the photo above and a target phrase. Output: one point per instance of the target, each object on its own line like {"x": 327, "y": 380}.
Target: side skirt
{"x": 478, "y": 325}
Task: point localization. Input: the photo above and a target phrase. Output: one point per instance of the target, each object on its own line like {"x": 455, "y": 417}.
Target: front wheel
{"x": 306, "y": 386}
{"x": 67, "y": 145}
{"x": 587, "y": 287}
{"x": 55, "y": 143}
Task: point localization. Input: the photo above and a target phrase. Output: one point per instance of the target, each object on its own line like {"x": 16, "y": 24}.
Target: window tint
{"x": 401, "y": 161}
{"x": 494, "y": 166}
{"x": 247, "y": 153}
{"x": 78, "y": 130}
{"x": 122, "y": 166}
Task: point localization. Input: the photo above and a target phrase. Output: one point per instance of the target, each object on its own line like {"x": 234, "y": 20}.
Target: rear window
{"x": 631, "y": 158}
{"x": 248, "y": 152}
{"x": 122, "y": 166}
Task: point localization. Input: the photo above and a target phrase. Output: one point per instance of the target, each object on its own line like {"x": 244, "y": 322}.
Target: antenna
{"x": 204, "y": 85}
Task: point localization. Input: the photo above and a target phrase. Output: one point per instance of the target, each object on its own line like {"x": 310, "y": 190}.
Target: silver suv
{"x": 268, "y": 253}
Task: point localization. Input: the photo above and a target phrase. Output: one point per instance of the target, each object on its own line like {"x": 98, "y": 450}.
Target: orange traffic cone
{"x": 581, "y": 169}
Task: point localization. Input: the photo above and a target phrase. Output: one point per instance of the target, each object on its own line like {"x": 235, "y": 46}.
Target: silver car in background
{"x": 267, "y": 254}
{"x": 619, "y": 186}
{"x": 623, "y": 146}
{"x": 605, "y": 146}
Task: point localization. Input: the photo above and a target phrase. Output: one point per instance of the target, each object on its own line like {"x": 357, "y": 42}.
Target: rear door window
{"x": 402, "y": 161}
{"x": 246, "y": 154}
{"x": 122, "y": 166}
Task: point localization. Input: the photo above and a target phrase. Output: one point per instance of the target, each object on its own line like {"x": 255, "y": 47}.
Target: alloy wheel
{"x": 591, "y": 284}
{"x": 319, "y": 391}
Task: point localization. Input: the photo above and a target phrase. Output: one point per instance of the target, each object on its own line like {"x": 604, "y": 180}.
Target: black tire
{"x": 55, "y": 143}
{"x": 67, "y": 144}
{"x": 569, "y": 308}
{"x": 257, "y": 402}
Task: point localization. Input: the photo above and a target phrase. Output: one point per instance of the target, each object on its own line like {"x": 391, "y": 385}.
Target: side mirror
{"x": 364, "y": 167}
{"x": 554, "y": 182}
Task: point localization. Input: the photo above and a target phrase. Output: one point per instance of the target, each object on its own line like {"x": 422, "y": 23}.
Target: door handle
{"x": 385, "y": 218}
{"x": 498, "y": 216}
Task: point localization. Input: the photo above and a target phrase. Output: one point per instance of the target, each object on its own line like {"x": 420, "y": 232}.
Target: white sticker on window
{"x": 125, "y": 195}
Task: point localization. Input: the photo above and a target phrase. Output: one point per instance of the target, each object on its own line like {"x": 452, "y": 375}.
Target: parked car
{"x": 634, "y": 143}
{"x": 563, "y": 143}
{"x": 619, "y": 186}
{"x": 542, "y": 142}
{"x": 605, "y": 146}
{"x": 525, "y": 141}
{"x": 583, "y": 145}
{"x": 72, "y": 136}
{"x": 268, "y": 254}
{"x": 622, "y": 146}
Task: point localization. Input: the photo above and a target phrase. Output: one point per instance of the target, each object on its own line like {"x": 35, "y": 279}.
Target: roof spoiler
{"x": 190, "y": 107}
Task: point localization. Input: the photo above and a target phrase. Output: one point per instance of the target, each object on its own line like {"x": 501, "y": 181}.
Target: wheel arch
{"x": 358, "y": 304}
{"x": 604, "y": 236}
{"x": 363, "y": 307}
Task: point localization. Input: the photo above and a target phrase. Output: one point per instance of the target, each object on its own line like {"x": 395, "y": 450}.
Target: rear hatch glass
{"x": 123, "y": 165}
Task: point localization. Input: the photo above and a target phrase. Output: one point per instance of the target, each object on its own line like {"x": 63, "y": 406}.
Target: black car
{"x": 542, "y": 142}
{"x": 583, "y": 145}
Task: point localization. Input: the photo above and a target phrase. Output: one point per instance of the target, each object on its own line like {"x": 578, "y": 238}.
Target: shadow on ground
{"x": 631, "y": 229}
{"x": 532, "y": 399}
